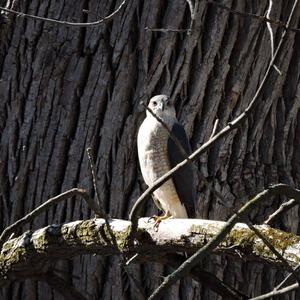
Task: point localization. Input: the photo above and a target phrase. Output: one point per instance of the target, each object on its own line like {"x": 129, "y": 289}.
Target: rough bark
{"x": 64, "y": 89}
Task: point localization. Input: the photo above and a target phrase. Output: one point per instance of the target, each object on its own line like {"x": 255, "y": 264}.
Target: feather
{"x": 184, "y": 179}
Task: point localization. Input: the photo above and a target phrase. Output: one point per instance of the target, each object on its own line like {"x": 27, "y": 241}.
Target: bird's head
{"x": 162, "y": 106}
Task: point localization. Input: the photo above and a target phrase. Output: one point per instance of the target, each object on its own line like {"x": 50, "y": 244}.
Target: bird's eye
{"x": 154, "y": 103}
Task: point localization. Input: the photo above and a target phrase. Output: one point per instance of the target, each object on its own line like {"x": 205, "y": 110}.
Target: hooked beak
{"x": 161, "y": 106}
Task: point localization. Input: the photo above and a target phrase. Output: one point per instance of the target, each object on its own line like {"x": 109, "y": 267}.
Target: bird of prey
{"x": 158, "y": 153}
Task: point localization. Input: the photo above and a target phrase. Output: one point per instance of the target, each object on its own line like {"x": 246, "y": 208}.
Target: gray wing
{"x": 183, "y": 179}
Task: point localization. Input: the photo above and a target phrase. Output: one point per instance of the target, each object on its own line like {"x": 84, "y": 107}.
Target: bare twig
{"x": 270, "y": 27}
{"x": 287, "y": 279}
{"x": 130, "y": 260}
{"x": 271, "y": 34}
{"x": 107, "y": 218}
{"x": 284, "y": 207}
{"x": 191, "y": 7}
{"x": 264, "y": 19}
{"x": 65, "y": 23}
{"x": 92, "y": 166}
{"x": 184, "y": 153}
{"x": 206, "y": 278}
{"x": 45, "y": 206}
{"x": 110, "y": 16}
{"x": 62, "y": 286}
{"x": 165, "y": 30}
{"x": 133, "y": 214}
{"x": 230, "y": 127}
{"x": 274, "y": 293}
{"x": 214, "y": 128}
{"x": 254, "y": 16}
{"x": 272, "y": 248}
{"x": 135, "y": 281}
{"x": 192, "y": 12}
{"x": 170, "y": 133}
{"x": 214, "y": 242}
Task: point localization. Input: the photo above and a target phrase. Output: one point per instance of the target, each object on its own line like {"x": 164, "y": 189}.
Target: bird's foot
{"x": 158, "y": 219}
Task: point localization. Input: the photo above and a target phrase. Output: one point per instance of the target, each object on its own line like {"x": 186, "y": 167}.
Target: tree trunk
{"x": 64, "y": 89}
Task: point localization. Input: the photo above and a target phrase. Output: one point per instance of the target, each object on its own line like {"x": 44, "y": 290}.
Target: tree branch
{"x": 93, "y": 172}
{"x": 271, "y": 34}
{"x": 206, "y": 278}
{"x": 264, "y": 19}
{"x": 34, "y": 252}
{"x": 277, "y": 292}
{"x": 221, "y": 235}
{"x": 62, "y": 286}
{"x": 254, "y": 16}
{"x": 166, "y": 30}
{"x": 284, "y": 207}
{"x": 236, "y": 123}
{"x": 45, "y": 206}
{"x": 287, "y": 279}
{"x": 269, "y": 244}
{"x": 65, "y": 23}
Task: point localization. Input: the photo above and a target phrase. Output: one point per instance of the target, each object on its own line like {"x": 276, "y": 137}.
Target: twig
{"x": 46, "y": 205}
{"x": 165, "y": 30}
{"x": 107, "y": 217}
{"x": 277, "y": 293}
{"x": 255, "y": 16}
{"x": 110, "y": 16}
{"x": 92, "y": 166}
{"x": 191, "y": 7}
{"x": 215, "y": 241}
{"x": 62, "y": 286}
{"x": 285, "y": 280}
{"x": 65, "y": 23}
{"x": 136, "y": 282}
{"x": 230, "y": 127}
{"x": 133, "y": 213}
{"x": 214, "y": 128}
{"x": 133, "y": 258}
{"x": 184, "y": 153}
{"x": 206, "y": 278}
{"x": 192, "y": 11}
{"x": 103, "y": 213}
{"x": 272, "y": 248}
{"x": 264, "y": 19}
{"x": 170, "y": 133}
{"x": 123, "y": 263}
{"x": 270, "y": 27}
{"x": 284, "y": 207}
{"x": 271, "y": 34}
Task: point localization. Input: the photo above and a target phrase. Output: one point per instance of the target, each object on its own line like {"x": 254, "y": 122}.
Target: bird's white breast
{"x": 154, "y": 162}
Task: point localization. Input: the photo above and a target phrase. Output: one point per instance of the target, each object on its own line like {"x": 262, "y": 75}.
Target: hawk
{"x": 158, "y": 153}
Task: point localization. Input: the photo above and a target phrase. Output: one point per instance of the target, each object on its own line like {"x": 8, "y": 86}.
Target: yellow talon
{"x": 158, "y": 219}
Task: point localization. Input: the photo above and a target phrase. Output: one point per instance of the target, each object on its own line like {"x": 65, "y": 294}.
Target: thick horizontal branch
{"x": 33, "y": 252}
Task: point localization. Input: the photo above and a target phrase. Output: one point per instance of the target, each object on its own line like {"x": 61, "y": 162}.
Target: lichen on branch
{"x": 33, "y": 251}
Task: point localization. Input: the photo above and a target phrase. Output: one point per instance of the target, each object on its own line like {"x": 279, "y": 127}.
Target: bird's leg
{"x": 158, "y": 219}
